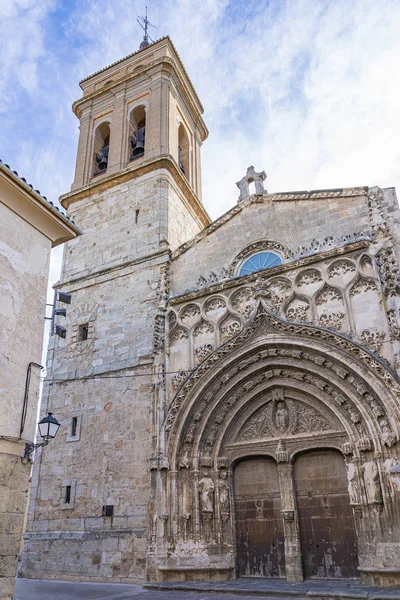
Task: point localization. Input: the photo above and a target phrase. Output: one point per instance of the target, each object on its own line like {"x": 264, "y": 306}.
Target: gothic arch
{"x": 351, "y": 382}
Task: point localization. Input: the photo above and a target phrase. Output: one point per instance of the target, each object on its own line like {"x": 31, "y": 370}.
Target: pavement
{"x": 239, "y": 589}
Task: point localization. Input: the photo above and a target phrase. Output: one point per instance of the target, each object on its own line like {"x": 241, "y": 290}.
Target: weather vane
{"x": 144, "y": 24}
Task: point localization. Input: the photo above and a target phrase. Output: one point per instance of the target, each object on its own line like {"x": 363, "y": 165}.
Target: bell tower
{"x": 138, "y": 116}
{"x": 137, "y": 197}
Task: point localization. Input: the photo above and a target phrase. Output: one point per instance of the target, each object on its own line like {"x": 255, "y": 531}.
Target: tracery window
{"x": 260, "y": 261}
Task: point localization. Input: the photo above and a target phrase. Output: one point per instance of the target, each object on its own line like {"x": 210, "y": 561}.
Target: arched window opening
{"x": 137, "y": 132}
{"x": 101, "y": 148}
{"x": 183, "y": 150}
{"x": 260, "y": 261}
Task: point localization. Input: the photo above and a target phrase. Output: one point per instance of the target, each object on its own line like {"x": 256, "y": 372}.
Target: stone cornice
{"x": 267, "y": 198}
{"x": 282, "y": 268}
{"x": 164, "y": 63}
{"x": 165, "y": 161}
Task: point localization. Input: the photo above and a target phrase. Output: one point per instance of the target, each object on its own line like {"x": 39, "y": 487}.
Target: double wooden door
{"x": 326, "y": 526}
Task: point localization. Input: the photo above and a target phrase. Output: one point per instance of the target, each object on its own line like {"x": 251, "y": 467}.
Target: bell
{"x": 139, "y": 148}
{"x": 102, "y": 165}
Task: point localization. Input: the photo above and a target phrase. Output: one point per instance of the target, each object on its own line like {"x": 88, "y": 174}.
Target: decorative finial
{"x": 145, "y": 27}
{"x": 251, "y": 176}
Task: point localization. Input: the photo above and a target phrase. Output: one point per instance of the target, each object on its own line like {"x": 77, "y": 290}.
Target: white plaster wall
{"x": 24, "y": 266}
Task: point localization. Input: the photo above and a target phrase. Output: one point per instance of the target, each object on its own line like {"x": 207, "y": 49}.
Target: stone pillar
{"x": 117, "y": 157}
{"x": 84, "y": 154}
{"x": 294, "y": 569}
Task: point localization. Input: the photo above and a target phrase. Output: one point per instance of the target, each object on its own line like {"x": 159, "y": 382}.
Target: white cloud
{"x": 306, "y": 90}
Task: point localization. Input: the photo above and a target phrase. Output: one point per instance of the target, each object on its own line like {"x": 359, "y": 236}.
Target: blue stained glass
{"x": 260, "y": 261}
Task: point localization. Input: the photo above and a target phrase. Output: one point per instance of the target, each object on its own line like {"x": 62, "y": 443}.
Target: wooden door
{"x": 259, "y": 526}
{"x": 327, "y": 533}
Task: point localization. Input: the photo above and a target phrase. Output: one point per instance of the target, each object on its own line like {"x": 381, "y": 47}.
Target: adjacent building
{"x": 229, "y": 389}
{"x": 29, "y": 227}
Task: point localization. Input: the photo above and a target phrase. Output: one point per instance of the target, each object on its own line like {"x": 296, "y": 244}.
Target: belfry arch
{"x": 270, "y": 392}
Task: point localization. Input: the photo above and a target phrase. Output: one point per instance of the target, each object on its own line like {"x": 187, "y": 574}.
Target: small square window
{"x": 83, "y": 332}
{"x": 108, "y": 510}
{"x": 74, "y": 426}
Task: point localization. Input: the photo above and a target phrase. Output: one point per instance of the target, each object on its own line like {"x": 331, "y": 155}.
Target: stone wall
{"x": 292, "y": 220}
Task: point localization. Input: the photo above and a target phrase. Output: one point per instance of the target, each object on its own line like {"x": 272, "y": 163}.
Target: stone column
{"x": 294, "y": 568}
{"x": 84, "y": 154}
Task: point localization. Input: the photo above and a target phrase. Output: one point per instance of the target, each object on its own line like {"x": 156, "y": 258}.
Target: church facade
{"x": 229, "y": 390}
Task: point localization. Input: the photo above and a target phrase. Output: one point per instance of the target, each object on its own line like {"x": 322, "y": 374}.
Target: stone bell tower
{"x": 137, "y": 197}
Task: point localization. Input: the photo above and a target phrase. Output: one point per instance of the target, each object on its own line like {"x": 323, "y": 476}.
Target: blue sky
{"x": 306, "y": 89}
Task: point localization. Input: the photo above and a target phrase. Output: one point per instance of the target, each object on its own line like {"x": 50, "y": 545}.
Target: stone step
{"x": 307, "y": 590}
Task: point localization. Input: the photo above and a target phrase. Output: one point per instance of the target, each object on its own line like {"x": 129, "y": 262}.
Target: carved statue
{"x": 372, "y": 483}
{"x": 223, "y": 487}
{"x": 353, "y": 486}
{"x": 206, "y": 490}
{"x": 392, "y": 469}
{"x": 281, "y": 416}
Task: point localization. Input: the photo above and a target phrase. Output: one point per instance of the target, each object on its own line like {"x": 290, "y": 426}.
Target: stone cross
{"x": 251, "y": 176}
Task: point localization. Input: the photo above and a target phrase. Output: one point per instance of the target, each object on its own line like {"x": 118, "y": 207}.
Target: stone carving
{"x": 353, "y": 485}
{"x": 203, "y": 327}
{"x": 387, "y": 436}
{"x": 372, "y": 483}
{"x": 281, "y": 454}
{"x": 243, "y": 301}
{"x": 178, "y": 378}
{"x": 317, "y": 246}
{"x": 203, "y": 351}
{"x": 215, "y": 306}
{"x": 283, "y": 418}
{"x": 298, "y": 313}
{"x": 362, "y": 286}
{"x": 250, "y": 177}
{"x": 309, "y": 277}
{"x": 206, "y": 491}
{"x": 223, "y": 489}
{"x": 379, "y": 220}
{"x": 328, "y": 294}
{"x": 372, "y": 339}
{"x": 184, "y": 462}
{"x": 340, "y": 268}
{"x": 267, "y": 322}
{"x": 347, "y": 448}
{"x": 394, "y": 325}
{"x": 332, "y": 320}
{"x": 229, "y": 328}
{"x": 190, "y": 314}
{"x": 178, "y": 333}
{"x": 389, "y": 271}
{"x": 391, "y": 467}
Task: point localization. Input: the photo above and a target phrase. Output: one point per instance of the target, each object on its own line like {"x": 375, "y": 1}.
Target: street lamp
{"x": 48, "y": 428}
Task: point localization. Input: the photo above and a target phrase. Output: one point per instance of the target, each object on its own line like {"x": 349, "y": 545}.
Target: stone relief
{"x": 353, "y": 484}
{"x": 362, "y": 286}
{"x": 372, "y": 339}
{"x": 372, "y": 482}
{"x": 282, "y": 417}
{"x": 332, "y": 320}
{"x": 328, "y": 294}
{"x": 203, "y": 351}
{"x": 206, "y": 491}
{"x": 391, "y": 467}
{"x": 223, "y": 493}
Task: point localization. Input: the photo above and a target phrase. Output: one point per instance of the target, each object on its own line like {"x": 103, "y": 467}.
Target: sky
{"x": 307, "y": 90}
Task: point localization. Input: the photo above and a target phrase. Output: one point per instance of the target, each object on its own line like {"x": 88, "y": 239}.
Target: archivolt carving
{"x": 264, "y": 323}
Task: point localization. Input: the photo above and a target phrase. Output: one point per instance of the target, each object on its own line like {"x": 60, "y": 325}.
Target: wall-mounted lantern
{"x": 48, "y": 428}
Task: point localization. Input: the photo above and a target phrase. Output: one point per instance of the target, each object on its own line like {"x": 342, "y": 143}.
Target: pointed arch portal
{"x": 249, "y": 437}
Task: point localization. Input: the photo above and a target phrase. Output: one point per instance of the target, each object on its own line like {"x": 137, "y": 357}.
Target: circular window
{"x": 260, "y": 261}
